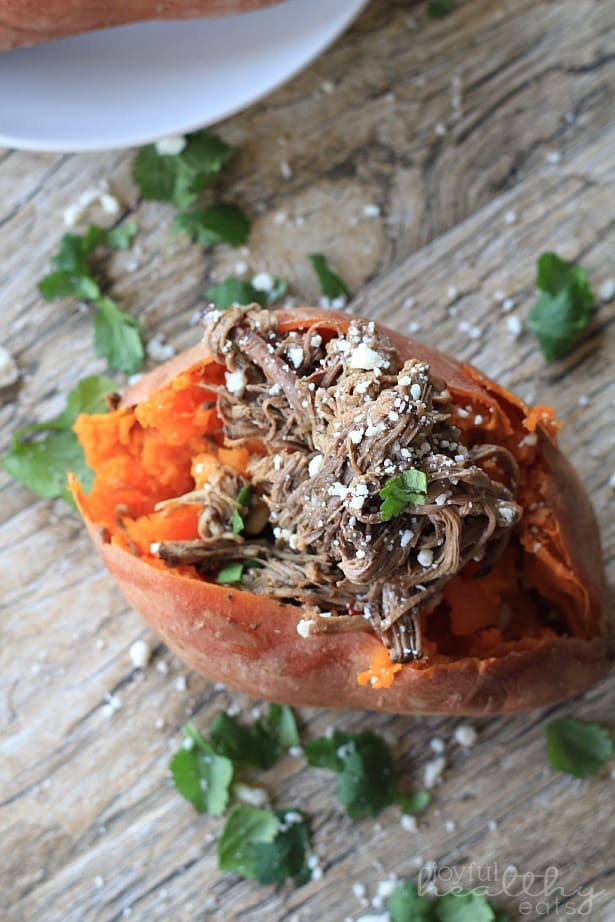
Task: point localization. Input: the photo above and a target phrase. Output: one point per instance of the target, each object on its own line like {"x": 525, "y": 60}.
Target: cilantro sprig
{"x": 41, "y": 454}
{"x": 406, "y": 904}
{"x": 220, "y": 223}
{"x": 243, "y": 502}
{"x": 331, "y": 285}
{"x": 409, "y": 487}
{"x": 117, "y": 334}
{"x": 366, "y": 777}
{"x": 180, "y": 178}
{"x": 261, "y": 744}
{"x": 201, "y": 774}
{"x": 576, "y": 747}
{"x": 233, "y": 291}
{"x": 265, "y": 845}
{"x": 564, "y": 308}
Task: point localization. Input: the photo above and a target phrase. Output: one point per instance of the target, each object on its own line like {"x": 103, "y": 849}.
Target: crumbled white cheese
{"x": 425, "y": 557}
{"x": 9, "y": 373}
{"x": 327, "y": 86}
{"x": 180, "y": 683}
{"x": 295, "y": 355}
{"x": 262, "y": 281}
{"x": 506, "y": 513}
{"x": 100, "y": 193}
{"x": 451, "y": 292}
{"x": 383, "y": 892}
{"x": 236, "y": 381}
{"x": 356, "y": 435}
{"x": 510, "y": 217}
{"x": 303, "y": 628}
{"x": 285, "y": 169}
{"x": 413, "y": 327}
{"x": 255, "y": 797}
{"x": 416, "y": 391}
{"x": 154, "y": 547}
{"x": 606, "y": 292}
{"x": 315, "y": 465}
{"x": 514, "y": 325}
{"x": 241, "y": 267}
{"x": 612, "y": 481}
{"x": 111, "y": 705}
{"x": 158, "y": 349}
{"x": 381, "y": 917}
{"x": 170, "y": 146}
{"x": 508, "y": 304}
{"x": 364, "y": 358}
{"x": 406, "y": 537}
{"x": 436, "y": 745}
{"x": 465, "y": 735}
{"x": 553, "y": 157}
{"x": 408, "y": 822}
{"x": 371, "y": 211}
{"x": 441, "y": 499}
{"x": 433, "y": 771}
{"x": 359, "y": 890}
{"x": 140, "y": 654}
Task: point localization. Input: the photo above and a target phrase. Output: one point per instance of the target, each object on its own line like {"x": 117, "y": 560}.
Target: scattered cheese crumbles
{"x": 262, "y": 281}
{"x": 510, "y": 217}
{"x": 236, "y": 382}
{"x": 111, "y": 705}
{"x": 364, "y": 358}
{"x": 371, "y": 211}
{"x": 383, "y": 892}
{"x": 436, "y": 745}
{"x": 553, "y": 157}
{"x": 255, "y": 797}
{"x": 433, "y": 771}
{"x": 606, "y": 292}
{"x": 285, "y": 169}
{"x": 514, "y": 326}
{"x": 465, "y": 735}
{"x": 98, "y": 194}
{"x": 315, "y": 465}
{"x": 172, "y": 145}
{"x": 408, "y": 822}
{"x": 140, "y": 654}
{"x": 9, "y": 373}
{"x": 158, "y": 349}
{"x": 303, "y": 628}
{"x": 425, "y": 557}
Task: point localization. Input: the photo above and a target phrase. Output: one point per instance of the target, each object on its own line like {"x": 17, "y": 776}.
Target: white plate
{"x": 132, "y": 84}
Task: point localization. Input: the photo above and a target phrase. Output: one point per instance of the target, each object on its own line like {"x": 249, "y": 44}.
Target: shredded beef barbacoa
{"x": 331, "y": 420}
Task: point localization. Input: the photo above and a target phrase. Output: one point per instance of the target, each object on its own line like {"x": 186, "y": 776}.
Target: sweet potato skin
{"x": 250, "y": 642}
{"x": 29, "y": 22}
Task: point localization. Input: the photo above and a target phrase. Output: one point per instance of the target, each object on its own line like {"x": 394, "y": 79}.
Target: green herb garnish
{"x": 564, "y": 308}
{"x": 117, "y": 337}
{"x": 576, "y": 747}
{"x": 259, "y": 745}
{"x": 220, "y": 223}
{"x": 180, "y": 178}
{"x": 72, "y": 276}
{"x": 201, "y": 774}
{"x": 366, "y": 778}
{"x": 264, "y": 845}
{"x": 230, "y": 572}
{"x": 243, "y": 500}
{"x": 41, "y": 463}
{"x": 406, "y": 904}
{"x": 331, "y": 284}
{"x": 438, "y": 9}
{"x": 234, "y": 291}
{"x": 410, "y": 487}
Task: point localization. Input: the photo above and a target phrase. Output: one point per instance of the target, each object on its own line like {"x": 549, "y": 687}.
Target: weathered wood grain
{"x": 446, "y": 126}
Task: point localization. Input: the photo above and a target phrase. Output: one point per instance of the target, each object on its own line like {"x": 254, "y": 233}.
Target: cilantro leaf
{"x": 564, "y": 308}
{"x": 366, "y": 780}
{"x": 284, "y": 857}
{"x": 331, "y": 284}
{"x": 282, "y": 720}
{"x": 117, "y": 337}
{"x": 234, "y": 291}
{"x": 398, "y": 492}
{"x": 72, "y": 276}
{"x": 413, "y": 801}
{"x": 230, "y": 572}
{"x": 576, "y": 747}
{"x": 202, "y": 775}
{"x": 259, "y": 745}
{"x": 438, "y": 9}
{"x": 180, "y": 178}
{"x": 463, "y": 907}
{"x": 219, "y": 223}
{"x": 406, "y": 905}
{"x": 41, "y": 464}
{"x": 264, "y": 846}
{"x": 243, "y": 500}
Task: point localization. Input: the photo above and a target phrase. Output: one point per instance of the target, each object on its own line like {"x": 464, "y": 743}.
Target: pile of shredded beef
{"x": 330, "y": 420}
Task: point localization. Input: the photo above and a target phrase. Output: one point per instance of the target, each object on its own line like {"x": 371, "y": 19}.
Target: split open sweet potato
{"x": 29, "y": 22}
{"x": 519, "y": 621}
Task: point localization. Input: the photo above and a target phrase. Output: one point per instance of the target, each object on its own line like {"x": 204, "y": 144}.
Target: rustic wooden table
{"x": 482, "y": 139}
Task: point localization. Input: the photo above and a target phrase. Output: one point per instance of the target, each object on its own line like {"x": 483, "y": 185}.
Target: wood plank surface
{"x": 483, "y": 138}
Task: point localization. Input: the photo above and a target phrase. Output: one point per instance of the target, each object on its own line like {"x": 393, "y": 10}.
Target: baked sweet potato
{"x": 521, "y": 619}
{"x": 24, "y": 22}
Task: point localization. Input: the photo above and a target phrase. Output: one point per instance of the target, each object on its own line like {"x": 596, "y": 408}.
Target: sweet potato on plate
{"x": 319, "y": 511}
{"x": 24, "y": 22}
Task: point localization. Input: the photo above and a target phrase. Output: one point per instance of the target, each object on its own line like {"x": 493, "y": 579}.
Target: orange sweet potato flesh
{"x": 31, "y": 22}
{"x": 250, "y": 642}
